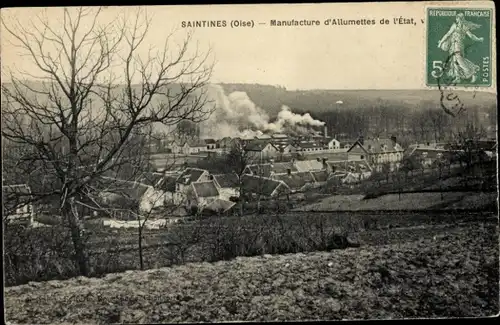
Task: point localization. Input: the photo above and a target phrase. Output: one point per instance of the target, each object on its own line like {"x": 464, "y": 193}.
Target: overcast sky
{"x": 338, "y": 57}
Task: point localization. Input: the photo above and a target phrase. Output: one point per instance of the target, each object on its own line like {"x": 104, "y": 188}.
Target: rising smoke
{"x": 236, "y": 115}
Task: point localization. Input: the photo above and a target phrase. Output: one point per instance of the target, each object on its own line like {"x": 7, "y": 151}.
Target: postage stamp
{"x": 459, "y": 43}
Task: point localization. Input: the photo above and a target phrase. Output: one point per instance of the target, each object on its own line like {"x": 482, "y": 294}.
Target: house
{"x": 228, "y": 185}
{"x": 194, "y": 146}
{"x": 210, "y": 144}
{"x": 218, "y": 206}
{"x": 270, "y": 169}
{"x": 333, "y": 144}
{"x": 224, "y": 143}
{"x": 201, "y": 194}
{"x": 309, "y": 165}
{"x": 428, "y": 156}
{"x": 285, "y": 148}
{"x": 260, "y": 150}
{"x": 377, "y": 152}
{"x": 357, "y": 169}
{"x": 309, "y": 146}
{"x": 17, "y": 205}
{"x": 320, "y": 177}
{"x": 298, "y": 181}
{"x": 122, "y": 199}
{"x": 190, "y": 175}
{"x": 263, "y": 187}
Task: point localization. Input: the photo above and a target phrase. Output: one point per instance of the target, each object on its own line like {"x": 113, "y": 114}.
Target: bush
{"x": 47, "y": 253}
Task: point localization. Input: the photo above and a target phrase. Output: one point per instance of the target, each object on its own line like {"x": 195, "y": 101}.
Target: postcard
{"x": 250, "y": 162}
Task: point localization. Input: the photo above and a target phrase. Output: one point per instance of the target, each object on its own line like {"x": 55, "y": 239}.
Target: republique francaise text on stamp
{"x": 459, "y": 47}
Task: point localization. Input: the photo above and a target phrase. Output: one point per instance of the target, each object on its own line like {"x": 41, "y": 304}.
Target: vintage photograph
{"x": 249, "y": 163}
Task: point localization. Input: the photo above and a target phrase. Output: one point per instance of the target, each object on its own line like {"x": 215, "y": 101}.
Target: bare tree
{"x": 78, "y": 117}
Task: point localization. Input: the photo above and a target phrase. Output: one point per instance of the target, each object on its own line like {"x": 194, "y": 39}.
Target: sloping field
{"x": 407, "y": 201}
{"x": 452, "y": 273}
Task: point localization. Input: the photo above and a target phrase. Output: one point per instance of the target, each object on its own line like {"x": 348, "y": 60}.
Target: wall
{"x": 227, "y": 192}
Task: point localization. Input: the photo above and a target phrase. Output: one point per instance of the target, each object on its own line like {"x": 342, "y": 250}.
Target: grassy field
{"x": 442, "y": 271}
{"x": 405, "y": 201}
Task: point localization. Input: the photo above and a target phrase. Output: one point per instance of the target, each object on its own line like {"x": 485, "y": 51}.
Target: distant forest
{"x": 411, "y": 115}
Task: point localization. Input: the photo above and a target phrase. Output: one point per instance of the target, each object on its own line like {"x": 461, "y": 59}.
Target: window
{"x": 362, "y": 157}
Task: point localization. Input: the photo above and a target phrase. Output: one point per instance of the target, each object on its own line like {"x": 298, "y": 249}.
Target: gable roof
{"x": 190, "y": 175}
{"x": 320, "y": 176}
{"x": 296, "y": 181}
{"x": 257, "y": 145}
{"x": 265, "y": 170}
{"x": 309, "y": 144}
{"x": 377, "y": 146}
{"x": 121, "y": 194}
{"x": 167, "y": 183}
{"x": 209, "y": 141}
{"x": 263, "y": 185}
{"x": 308, "y": 165}
{"x": 149, "y": 178}
{"x": 205, "y": 189}
{"x": 226, "y": 180}
{"x": 219, "y": 205}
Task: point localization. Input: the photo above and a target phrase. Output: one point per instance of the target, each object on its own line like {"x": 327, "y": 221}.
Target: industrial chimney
{"x": 326, "y": 131}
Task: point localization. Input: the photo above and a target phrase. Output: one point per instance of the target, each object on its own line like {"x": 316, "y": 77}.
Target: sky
{"x": 321, "y": 57}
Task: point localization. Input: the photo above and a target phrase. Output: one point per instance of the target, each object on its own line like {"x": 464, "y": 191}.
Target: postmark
{"x": 459, "y": 47}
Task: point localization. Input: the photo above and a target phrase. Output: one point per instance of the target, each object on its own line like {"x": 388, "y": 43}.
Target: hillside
{"x": 434, "y": 272}
{"x": 271, "y": 98}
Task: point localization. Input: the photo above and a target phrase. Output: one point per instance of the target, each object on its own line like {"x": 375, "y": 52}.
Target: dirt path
{"x": 453, "y": 274}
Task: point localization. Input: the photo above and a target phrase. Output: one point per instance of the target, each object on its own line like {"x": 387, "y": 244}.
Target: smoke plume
{"x": 236, "y": 115}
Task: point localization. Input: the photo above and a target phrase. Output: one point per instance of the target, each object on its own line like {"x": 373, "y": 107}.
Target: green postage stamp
{"x": 459, "y": 44}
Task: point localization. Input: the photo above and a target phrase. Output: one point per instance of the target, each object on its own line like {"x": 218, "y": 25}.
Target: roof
{"x": 226, "y": 180}
{"x": 190, "y": 175}
{"x": 262, "y": 185}
{"x": 150, "y": 178}
{"x": 296, "y": 181}
{"x": 257, "y": 145}
{"x": 279, "y": 136}
{"x": 210, "y": 141}
{"x": 120, "y": 193}
{"x": 260, "y": 170}
{"x": 353, "y": 166}
{"x": 429, "y": 153}
{"x": 377, "y": 146}
{"x": 276, "y": 168}
{"x": 167, "y": 183}
{"x": 306, "y": 145}
{"x": 320, "y": 175}
{"x": 205, "y": 189}
{"x": 308, "y": 165}
{"x": 219, "y": 205}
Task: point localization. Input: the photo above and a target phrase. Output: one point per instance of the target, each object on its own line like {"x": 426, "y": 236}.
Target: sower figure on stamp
{"x": 459, "y": 67}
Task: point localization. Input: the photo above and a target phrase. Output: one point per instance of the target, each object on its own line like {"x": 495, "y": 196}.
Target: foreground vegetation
{"x": 439, "y": 272}
{"x": 46, "y": 253}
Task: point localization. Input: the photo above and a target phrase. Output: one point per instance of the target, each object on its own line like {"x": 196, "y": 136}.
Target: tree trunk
{"x": 76, "y": 229}
{"x": 141, "y": 258}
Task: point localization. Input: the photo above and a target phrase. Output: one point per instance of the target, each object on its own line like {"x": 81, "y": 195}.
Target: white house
{"x": 228, "y": 185}
{"x": 260, "y": 150}
{"x": 202, "y": 194}
{"x": 16, "y": 203}
{"x": 333, "y": 144}
{"x": 377, "y": 152}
